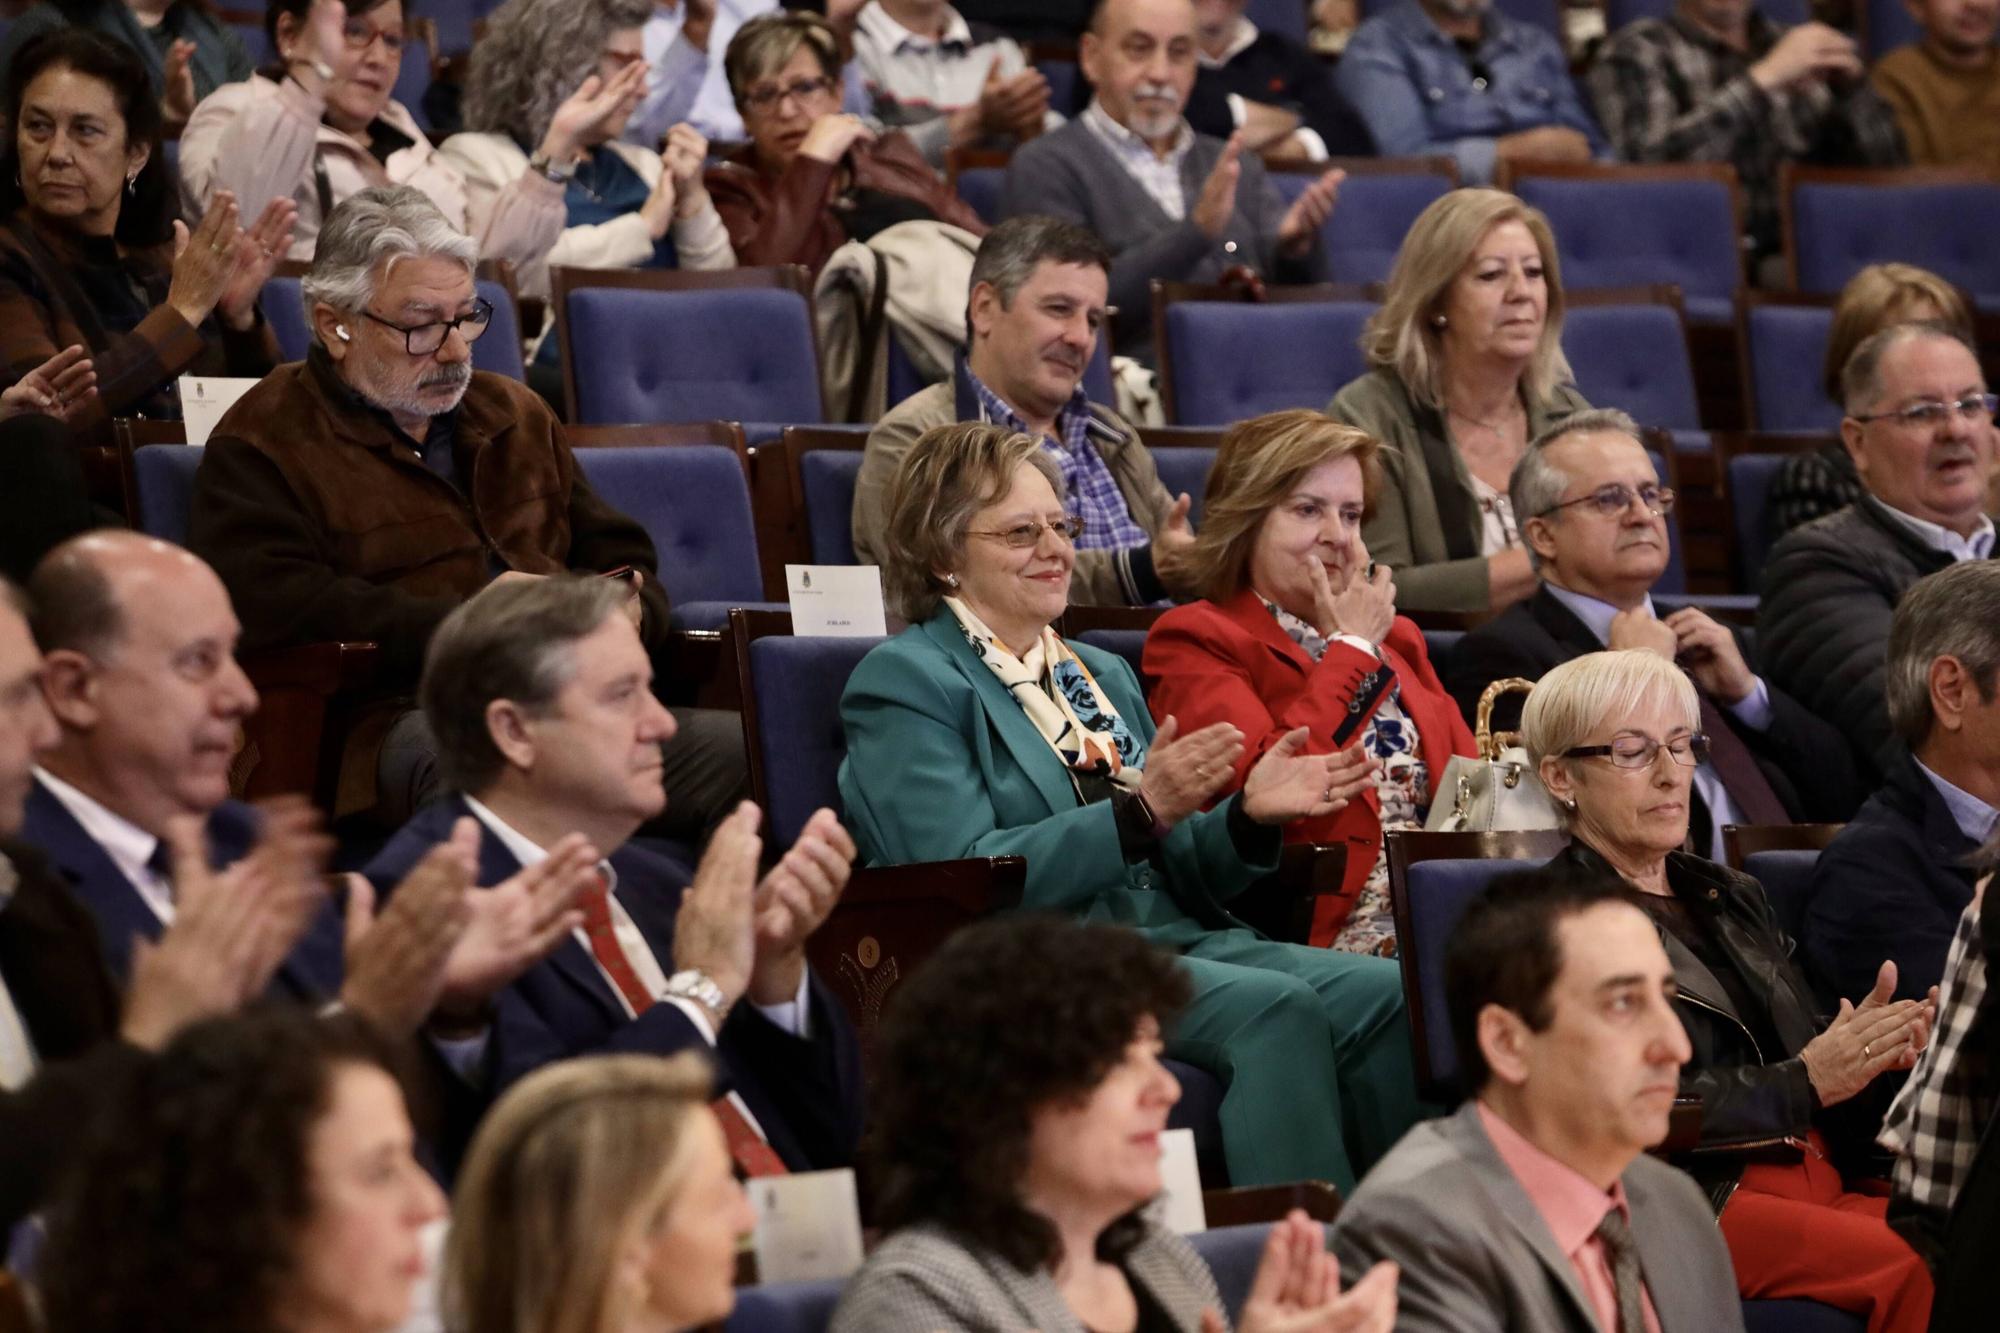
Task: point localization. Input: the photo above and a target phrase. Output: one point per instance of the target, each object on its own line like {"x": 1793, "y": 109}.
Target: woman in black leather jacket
{"x": 1616, "y": 739}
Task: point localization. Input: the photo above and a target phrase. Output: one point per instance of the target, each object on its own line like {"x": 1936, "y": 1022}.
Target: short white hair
{"x": 371, "y": 230}
{"x": 1579, "y": 696}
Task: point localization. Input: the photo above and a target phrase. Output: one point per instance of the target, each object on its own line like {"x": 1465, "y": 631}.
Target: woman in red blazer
{"x": 1297, "y": 627}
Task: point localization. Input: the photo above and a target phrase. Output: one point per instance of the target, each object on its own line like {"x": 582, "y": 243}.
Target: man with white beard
{"x": 1167, "y": 202}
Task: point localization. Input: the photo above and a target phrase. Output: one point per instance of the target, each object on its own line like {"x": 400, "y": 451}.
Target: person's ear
{"x": 1503, "y": 1040}
{"x": 512, "y": 733}
{"x": 136, "y": 158}
{"x": 69, "y": 684}
{"x": 983, "y": 309}
{"x": 1953, "y": 692}
{"x": 331, "y": 327}
{"x": 1850, "y": 436}
{"x": 1090, "y": 57}
{"x": 1556, "y": 777}
{"x": 1541, "y": 535}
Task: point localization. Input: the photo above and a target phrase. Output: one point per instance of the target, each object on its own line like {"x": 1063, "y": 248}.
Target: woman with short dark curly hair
{"x": 1018, "y": 1110}
{"x": 259, "y": 1176}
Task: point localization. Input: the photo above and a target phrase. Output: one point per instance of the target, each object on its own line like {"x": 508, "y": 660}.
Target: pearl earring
{"x": 1438, "y": 320}
{"x": 951, "y": 580}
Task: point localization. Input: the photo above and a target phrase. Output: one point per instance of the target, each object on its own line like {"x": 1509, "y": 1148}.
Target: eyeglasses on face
{"x": 1640, "y": 751}
{"x": 803, "y": 90}
{"x": 356, "y": 35}
{"x": 1613, "y": 500}
{"x": 424, "y": 339}
{"x": 1972, "y": 407}
{"x": 1023, "y": 535}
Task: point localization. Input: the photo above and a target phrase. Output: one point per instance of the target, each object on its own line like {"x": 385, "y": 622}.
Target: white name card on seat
{"x": 1179, "y": 1207}
{"x": 808, "y": 1226}
{"x": 204, "y": 399}
{"x": 836, "y": 601}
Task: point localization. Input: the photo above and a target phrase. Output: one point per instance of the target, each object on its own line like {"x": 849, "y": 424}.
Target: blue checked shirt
{"x": 1092, "y": 490}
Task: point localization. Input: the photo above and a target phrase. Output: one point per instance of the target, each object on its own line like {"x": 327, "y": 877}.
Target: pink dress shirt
{"x": 1571, "y": 1207}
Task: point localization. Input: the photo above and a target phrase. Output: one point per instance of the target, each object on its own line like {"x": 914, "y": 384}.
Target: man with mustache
{"x": 365, "y": 492}
{"x": 1035, "y": 312}
{"x": 1593, "y": 514}
{"x": 1919, "y": 427}
{"x": 1169, "y": 203}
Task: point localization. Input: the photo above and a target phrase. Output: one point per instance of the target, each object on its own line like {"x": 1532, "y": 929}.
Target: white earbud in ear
{"x": 340, "y": 332}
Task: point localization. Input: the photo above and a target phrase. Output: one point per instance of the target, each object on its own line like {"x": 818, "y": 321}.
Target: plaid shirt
{"x": 1936, "y": 1122}
{"x": 1107, "y": 523}
{"x": 1668, "y": 91}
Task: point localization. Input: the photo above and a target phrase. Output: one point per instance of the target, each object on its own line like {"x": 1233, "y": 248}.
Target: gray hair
{"x": 1537, "y": 484}
{"x": 374, "y": 229}
{"x": 1953, "y": 613}
{"x": 1574, "y": 699}
{"x": 1014, "y": 249}
{"x": 949, "y": 475}
{"x": 1861, "y": 377}
{"x": 512, "y": 641}
{"x": 533, "y": 55}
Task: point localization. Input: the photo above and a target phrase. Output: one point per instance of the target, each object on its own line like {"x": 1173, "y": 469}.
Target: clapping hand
{"x": 513, "y": 925}
{"x": 1868, "y": 1039}
{"x": 258, "y": 251}
{"x": 1297, "y": 1288}
{"x": 1309, "y": 212}
{"x": 715, "y": 931}
{"x": 1183, "y": 772}
{"x": 396, "y": 960}
{"x": 1288, "y": 784}
{"x": 177, "y": 76}
{"x": 1173, "y": 547}
{"x": 594, "y": 112}
{"x": 61, "y": 387}
{"x": 794, "y": 900}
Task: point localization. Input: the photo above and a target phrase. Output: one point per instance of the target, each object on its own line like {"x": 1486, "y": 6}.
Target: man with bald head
{"x": 1167, "y": 202}
{"x": 1919, "y": 427}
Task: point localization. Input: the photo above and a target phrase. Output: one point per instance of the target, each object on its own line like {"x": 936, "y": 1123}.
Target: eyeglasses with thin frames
{"x": 1972, "y": 407}
{"x": 1023, "y": 535}
{"x": 803, "y": 90}
{"x": 1640, "y": 751}
{"x": 424, "y": 339}
{"x": 1613, "y": 500}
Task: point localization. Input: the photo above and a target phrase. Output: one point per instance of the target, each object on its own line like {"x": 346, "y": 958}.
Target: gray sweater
{"x": 1071, "y": 174}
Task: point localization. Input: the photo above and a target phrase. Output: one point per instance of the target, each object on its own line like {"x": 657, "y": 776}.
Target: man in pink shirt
{"x": 1534, "y": 1208}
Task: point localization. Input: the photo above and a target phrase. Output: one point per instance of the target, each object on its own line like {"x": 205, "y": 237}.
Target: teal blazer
{"x": 942, "y": 763}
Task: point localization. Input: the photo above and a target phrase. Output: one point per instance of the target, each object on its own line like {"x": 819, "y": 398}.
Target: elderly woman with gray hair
{"x": 979, "y": 731}
{"x": 624, "y": 206}
{"x": 1616, "y": 737}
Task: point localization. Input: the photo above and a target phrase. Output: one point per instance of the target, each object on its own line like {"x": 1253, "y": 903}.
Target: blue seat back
{"x": 1287, "y": 18}
{"x": 163, "y": 476}
{"x": 1234, "y": 360}
{"x": 1890, "y": 25}
{"x": 785, "y": 1307}
{"x": 1129, "y": 644}
{"x": 1636, "y": 233}
{"x": 1184, "y": 468}
{"x": 827, "y": 477}
{"x": 1066, "y": 85}
{"x": 1750, "y": 479}
{"x": 980, "y": 187}
{"x": 413, "y": 80}
{"x": 797, "y": 683}
{"x": 1439, "y": 892}
{"x": 1376, "y": 210}
{"x": 1440, "y": 643}
{"x": 1618, "y": 13}
{"x": 1673, "y": 579}
{"x": 499, "y": 350}
{"x": 1787, "y": 351}
{"x": 701, "y": 354}
{"x": 1232, "y": 1255}
{"x": 1634, "y": 357}
{"x": 1787, "y": 880}
{"x": 694, "y": 503}
{"x": 454, "y": 20}
{"x": 1946, "y": 228}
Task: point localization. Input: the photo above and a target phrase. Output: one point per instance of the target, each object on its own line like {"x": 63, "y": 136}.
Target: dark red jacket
{"x": 1231, "y": 662}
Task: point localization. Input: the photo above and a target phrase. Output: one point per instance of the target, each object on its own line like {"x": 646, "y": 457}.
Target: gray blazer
{"x": 1070, "y": 174}
{"x": 924, "y": 1279}
{"x": 1477, "y": 1258}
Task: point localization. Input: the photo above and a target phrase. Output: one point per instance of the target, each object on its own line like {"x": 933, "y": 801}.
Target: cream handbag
{"x": 1496, "y": 789}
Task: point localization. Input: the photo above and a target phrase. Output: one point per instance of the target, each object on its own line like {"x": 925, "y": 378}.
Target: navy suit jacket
{"x": 1892, "y": 884}
{"x": 806, "y": 1093}
{"x": 311, "y": 974}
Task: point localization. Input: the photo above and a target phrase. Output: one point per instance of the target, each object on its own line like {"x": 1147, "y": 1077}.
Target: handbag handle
{"x": 1490, "y": 745}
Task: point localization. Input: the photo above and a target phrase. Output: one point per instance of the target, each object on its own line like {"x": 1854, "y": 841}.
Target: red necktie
{"x": 747, "y": 1148}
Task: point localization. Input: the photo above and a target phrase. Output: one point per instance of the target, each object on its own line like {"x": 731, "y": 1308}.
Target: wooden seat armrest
{"x": 1245, "y": 1205}
{"x": 1282, "y": 903}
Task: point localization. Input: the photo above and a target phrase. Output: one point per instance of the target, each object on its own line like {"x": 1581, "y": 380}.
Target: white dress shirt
{"x": 1159, "y": 176}
{"x": 130, "y": 847}
{"x": 1940, "y": 538}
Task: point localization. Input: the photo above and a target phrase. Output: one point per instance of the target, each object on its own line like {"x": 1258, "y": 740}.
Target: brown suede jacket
{"x": 788, "y": 217}
{"x": 324, "y": 522}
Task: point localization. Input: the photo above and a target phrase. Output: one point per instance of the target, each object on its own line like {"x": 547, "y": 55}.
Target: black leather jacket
{"x": 1754, "y": 1101}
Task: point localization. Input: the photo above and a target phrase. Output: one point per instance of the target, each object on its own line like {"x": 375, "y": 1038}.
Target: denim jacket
{"x": 1419, "y": 96}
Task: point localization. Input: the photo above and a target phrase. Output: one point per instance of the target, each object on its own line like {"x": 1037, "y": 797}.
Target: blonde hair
{"x": 1401, "y": 337}
{"x": 572, "y": 1163}
{"x": 950, "y": 474}
{"x": 1582, "y": 694}
{"x": 1260, "y": 463}
{"x": 767, "y": 43}
{"x": 1881, "y": 296}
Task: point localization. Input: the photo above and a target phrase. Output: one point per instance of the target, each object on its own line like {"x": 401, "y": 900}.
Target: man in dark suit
{"x": 538, "y": 693}
{"x": 1899, "y": 877}
{"x": 1593, "y": 513}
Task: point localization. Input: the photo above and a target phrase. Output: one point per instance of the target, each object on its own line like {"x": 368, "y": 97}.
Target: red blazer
{"x": 1230, "y": 662}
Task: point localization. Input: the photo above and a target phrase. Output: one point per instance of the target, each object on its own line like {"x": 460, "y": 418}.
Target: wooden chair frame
{"x": 1740, "y": 841}
{"x": 777, "y": 481}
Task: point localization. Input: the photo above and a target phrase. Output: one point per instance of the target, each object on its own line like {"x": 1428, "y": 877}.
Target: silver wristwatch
{"x": 692, "y": 984}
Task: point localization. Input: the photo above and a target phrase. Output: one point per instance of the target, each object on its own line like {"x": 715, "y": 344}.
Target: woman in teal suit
{"x": 979, "y": 732}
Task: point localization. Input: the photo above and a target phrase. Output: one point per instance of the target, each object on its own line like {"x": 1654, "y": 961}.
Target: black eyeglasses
{"x": 1973, "y": 407}
{"x": 1640, "y": 751}
{"x": 424, "y": 339}
{"x": 1613, "y": 500}
{"x": 803, "y": 89}
{"x": 1023, "y": 535}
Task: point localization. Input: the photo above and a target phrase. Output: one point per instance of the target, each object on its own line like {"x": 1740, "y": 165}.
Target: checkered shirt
{"x": 1934, "y": 1125}
{"x": 1092, "y": 490}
